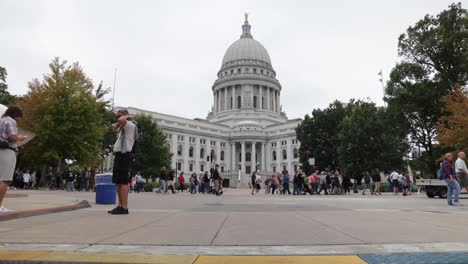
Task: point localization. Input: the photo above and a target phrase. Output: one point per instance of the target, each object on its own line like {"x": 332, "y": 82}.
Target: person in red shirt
{"x": 181, "y": 182}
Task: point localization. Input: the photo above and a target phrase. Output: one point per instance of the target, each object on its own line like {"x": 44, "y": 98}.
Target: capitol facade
{"x": 246, "y": 128}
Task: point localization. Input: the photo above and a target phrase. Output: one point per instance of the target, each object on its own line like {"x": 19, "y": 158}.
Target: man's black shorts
{"x": 120, "y": 174}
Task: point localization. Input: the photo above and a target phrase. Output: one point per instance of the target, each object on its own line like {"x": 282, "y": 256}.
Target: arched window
{"x": 285, "y": 154}
{"x": 222, "y": 155}
{"x": 247, "y": 156}
{"x": 274, "y": 155}
{"x": 295, "y": 153}
{"x": 190, "y": 152}
{"x": 179, "y": 150}
{"x": 213, "y": 155}
{"x": 202, "y": 153}
{"x": 255, "y": 102}
{"x": 238, "y": 102}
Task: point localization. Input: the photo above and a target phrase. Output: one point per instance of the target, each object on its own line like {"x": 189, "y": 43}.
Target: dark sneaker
{"x": 114, "y": 210}
{"x": 120, "y": 211}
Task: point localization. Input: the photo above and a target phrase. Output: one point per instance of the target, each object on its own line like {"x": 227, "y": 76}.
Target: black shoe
{"x": 120, "y": 211}
{"x": 114, "y": 210}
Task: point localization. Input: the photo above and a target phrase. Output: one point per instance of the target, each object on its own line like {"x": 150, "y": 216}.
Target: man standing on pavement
{"x": 127, "y": 134}
{"x": 216, "y": 180}
{"x": 377, "y": 179}
{"x": 448, "y": 174}
{"x": 461, "y": 171}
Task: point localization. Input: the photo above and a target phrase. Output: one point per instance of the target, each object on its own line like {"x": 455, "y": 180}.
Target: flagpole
{"x": 383, "y": 86}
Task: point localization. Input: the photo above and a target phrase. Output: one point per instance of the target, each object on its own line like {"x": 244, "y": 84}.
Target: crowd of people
{"x": 331, "y": 183}
{"x": 203, "y": 182}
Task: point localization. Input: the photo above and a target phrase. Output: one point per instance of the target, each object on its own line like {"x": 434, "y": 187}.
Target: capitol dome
{"x": 246, "y": 50}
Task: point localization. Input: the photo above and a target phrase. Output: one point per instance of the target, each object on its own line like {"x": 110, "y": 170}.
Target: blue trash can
{"x": 105, "y": 193}
{"x": 105, "y": 189}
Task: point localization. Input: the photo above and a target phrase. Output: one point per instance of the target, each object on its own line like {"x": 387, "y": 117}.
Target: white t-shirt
{"x": 394, "y": 175}
{"x": 129, "y": 131}
{"x": 26, "y": 177}
{"x": 460, "y": 166}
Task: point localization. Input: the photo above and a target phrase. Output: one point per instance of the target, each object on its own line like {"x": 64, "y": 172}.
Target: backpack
{"x": 440, "y": 172}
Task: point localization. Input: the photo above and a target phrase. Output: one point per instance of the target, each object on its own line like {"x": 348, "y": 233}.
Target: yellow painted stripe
{"x": 21, "y": 255}
{"x": 173, "y": 259}
{"x": 117, "y": 258}
{"x": 279, "y": 260}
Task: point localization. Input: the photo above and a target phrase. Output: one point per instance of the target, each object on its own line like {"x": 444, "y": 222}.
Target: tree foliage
{"x": 5, "y": 96}
{"x": 152, "y": 151}
{"x": 453, "y": 128}
{"x": 65, "y": 115}
{"x": 434, "y": 56}
{"x": 353, "y": 137}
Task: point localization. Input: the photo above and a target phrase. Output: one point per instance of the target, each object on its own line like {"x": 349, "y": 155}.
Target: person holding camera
{"x": 127, "y": 135}
{"x": 8, "y": 138}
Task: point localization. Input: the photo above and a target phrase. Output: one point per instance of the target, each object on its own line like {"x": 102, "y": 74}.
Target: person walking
{"x": 461, "y": 171}
{"x": 170, "y": 181}
{"x": 139, "y": 182}
{"x": 193, "y": 183}
{"x": 217, "y": 181}
{"x": 127, "y": 135}
{"x": 206, "y": 182}
{"x": 253, "y": 182}
{"x": 346, "y": 184}
{"x": 9, "y": 136}
{"x": 395, "y": 176}
{"x": 34, "y": 180}
{"x": 377, "y": 179}
{"x": 273, "y": 184}
{"x": 323, "y": 184}
{"x": 448, "y": 174}
{"x": 27, "y": 180}
{"x": 285, "y": 180}
{"x": 69, "y": 181}
{"x": 163, "y": 180}
{"x": 367, "y": 184}
{"x": 181, "y": 182}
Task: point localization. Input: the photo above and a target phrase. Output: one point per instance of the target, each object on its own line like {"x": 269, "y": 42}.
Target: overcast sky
{"x": 167, "y": 53}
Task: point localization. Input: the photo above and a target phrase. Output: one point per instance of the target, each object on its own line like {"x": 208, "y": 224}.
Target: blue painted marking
{"x": 416, "y": 258}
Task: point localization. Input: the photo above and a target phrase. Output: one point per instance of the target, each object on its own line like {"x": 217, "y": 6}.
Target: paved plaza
{"x": 239, "y": 223}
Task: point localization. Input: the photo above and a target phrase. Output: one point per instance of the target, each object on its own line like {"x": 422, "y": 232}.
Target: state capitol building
{"x": 246, "y": 128}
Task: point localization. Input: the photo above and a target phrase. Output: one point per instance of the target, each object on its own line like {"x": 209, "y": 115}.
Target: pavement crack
{"x": 133, "y": 229}
{"x": 219, "y": 229}
{"x": 331, "y": 227}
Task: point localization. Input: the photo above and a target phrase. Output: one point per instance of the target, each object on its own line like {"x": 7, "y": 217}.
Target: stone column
{"x": 233, "y": 98}
{"x": 233, "y": 157}
{"x": 254, "y": 156}
{"x": 279, "y": 157}
{"x": 219, "y": 100}
{"x": 268, "y": 99}
{"x": 242, "y": 159}
{"x": 174, "y": 151}
{"x": 214, "y": 102}
{"x": 274, "y": 100}
{"x": 196, "y": 153}
{"x": 225, "y": 99}
{"x": 185, "y": 153}
{"x": 279, "y": 102}
{"x": 262, "y": 160}
{"x": 290, "y": 156}
{"x": 268, "y": 156}
{"x": 261, "y": 96}
{"x": 218, "y": 153}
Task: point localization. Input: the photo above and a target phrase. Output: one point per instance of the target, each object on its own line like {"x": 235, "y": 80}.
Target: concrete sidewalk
{"x": 32, "y": 203}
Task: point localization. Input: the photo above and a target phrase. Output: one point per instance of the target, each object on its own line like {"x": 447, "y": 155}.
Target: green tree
{"x": 318, "y": 135}
{"x": 5, "y": 96}
{"x": 369, "y": 139}
{"x": 152, "y": 150}
{"x": 434, "y": 56}
{"x": 65, "y": 115}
